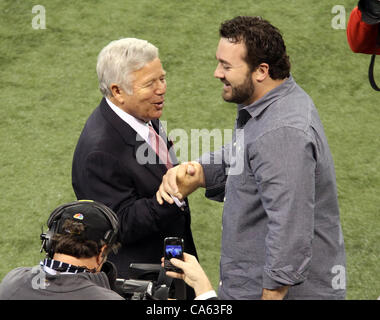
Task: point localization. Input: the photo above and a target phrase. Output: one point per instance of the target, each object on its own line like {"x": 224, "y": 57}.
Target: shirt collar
{"x": 139, "y": 126}
{"x": 52, "y": 266}
{"x": 257, "y": 107}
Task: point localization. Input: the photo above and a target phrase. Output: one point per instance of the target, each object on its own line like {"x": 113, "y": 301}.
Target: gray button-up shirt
{"x": 281, "y": 218}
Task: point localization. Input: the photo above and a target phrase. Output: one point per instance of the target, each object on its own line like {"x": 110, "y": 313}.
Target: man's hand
{"x": 193, "y": 274}
{"x": 180, "y": 181}
{"x": 276, "y": 294}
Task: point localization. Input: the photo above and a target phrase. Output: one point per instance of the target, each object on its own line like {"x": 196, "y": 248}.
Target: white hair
{"x": 119, "y": 59}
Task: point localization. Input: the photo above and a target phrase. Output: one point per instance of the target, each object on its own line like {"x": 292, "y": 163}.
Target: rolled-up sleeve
{"x": 283, "y": 162}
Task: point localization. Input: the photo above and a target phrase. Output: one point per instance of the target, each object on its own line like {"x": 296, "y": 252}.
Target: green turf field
{"x": 49, "y": 87}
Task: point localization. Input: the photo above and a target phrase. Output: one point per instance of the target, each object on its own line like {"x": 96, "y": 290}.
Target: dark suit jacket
{"x": 105, "y": 169}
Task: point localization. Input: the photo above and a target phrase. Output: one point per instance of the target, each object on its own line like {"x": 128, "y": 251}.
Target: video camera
{"x": 148, "y": 282}
{"x": 136, "y": 289}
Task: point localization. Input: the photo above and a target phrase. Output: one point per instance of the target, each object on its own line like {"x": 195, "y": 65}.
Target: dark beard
{"x": 243, "y": 93}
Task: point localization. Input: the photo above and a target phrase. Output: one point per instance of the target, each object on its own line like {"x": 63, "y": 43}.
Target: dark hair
{"x": 72, "y": 242}
{"x": 263, "y": 41}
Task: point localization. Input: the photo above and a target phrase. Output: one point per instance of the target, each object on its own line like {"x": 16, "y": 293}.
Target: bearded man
{"x": 282, "y": 237}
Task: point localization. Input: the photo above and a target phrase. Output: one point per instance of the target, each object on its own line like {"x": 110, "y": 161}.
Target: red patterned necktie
{"x": 159, "y": 146}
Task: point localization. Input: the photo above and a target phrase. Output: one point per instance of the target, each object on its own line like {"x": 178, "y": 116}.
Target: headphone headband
{"x": 54, "y": 223}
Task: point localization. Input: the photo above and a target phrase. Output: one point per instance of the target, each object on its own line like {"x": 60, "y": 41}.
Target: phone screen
{"x": 173, "y": 251}
{"x": 173, "y": 248}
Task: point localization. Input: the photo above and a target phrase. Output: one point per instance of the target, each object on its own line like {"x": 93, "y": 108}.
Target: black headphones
{"x": 110, "y": 237}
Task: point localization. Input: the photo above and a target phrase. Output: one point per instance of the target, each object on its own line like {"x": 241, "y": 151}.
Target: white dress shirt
{"x": 207, "y": 295}
{"x": 139, "y": 126}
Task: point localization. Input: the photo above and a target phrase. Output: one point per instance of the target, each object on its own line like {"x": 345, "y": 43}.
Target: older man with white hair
{"x": 123, "y": 152}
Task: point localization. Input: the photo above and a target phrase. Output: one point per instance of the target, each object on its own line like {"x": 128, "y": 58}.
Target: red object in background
{"x": 361, "y": 36}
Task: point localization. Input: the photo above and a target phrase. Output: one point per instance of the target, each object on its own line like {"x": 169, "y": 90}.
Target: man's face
{"x": 149, "y": 86}
{"x": 234, "y": 72}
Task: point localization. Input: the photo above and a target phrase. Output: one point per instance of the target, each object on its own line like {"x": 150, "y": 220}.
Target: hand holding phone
{"x": 173, "y": 248}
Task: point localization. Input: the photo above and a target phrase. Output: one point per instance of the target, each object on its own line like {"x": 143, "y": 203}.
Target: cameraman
{"x": 80, "y": 236}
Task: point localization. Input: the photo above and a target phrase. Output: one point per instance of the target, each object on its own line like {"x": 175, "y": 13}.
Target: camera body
{"x": 149, "y": 281}
{"x": 135, "y": 289}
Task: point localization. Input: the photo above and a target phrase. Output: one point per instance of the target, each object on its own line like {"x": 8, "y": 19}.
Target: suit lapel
{"x": 132, "y": 138}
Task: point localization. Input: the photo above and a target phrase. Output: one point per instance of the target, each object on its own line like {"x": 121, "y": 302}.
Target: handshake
{"x": 180, "y": 181}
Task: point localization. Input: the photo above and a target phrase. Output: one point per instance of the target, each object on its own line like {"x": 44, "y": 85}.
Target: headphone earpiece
{"x": 47, "y": 237}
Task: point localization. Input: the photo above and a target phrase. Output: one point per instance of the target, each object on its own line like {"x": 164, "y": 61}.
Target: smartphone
{"x": 173, "y": 248}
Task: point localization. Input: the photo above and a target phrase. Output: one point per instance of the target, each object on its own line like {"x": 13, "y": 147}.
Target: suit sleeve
{"x": 108, "y": 182}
